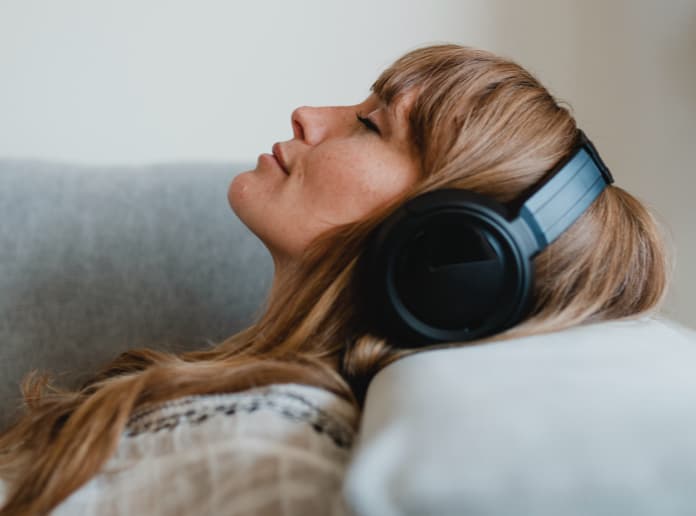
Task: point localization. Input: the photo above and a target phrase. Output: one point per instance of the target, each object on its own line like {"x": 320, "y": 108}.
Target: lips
{"x": 278, "y": 154}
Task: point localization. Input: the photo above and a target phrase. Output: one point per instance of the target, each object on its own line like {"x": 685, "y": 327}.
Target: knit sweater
{"x": 275, "y": 450}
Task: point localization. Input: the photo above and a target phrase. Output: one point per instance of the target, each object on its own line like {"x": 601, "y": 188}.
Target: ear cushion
{"x": 445, "y": 266}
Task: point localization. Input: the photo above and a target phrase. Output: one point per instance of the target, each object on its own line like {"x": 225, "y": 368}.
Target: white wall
{"x": 131, "y": 81}
{"x": 137, "y": 80}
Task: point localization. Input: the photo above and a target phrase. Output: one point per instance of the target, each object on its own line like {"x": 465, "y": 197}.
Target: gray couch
{"x": 98, "y": 260}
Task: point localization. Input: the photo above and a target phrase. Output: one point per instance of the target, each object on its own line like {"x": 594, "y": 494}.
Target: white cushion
{"x": 598, "y": 419}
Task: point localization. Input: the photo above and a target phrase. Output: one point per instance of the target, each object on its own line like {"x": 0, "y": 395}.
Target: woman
{"x": 444, "y": 116}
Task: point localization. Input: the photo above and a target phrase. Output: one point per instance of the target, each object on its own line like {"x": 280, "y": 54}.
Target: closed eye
{"x": 369, "y": 124}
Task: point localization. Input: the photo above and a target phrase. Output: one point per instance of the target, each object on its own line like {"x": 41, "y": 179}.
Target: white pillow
{"x": 595, "y": 420}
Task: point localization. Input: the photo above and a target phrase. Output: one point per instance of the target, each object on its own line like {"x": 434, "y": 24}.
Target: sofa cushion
{"x": 596, "y": 419}
{"x": 95, "y": 260}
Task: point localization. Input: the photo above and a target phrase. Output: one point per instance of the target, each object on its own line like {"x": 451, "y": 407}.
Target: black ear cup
{"x": 445, "y": 266}
{"x": 454, "y": 265}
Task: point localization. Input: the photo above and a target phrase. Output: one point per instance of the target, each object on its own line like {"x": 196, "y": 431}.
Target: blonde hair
{"x": 479, "y": 122}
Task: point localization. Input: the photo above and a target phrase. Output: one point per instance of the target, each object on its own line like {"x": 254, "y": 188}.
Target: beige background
{"x": 162, "y": 80}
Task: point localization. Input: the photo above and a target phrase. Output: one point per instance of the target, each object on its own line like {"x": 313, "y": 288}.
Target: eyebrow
{"x": 393, "y": 119}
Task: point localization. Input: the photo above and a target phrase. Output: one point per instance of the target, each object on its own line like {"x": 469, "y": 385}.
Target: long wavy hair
{"x": 479, "y": 122}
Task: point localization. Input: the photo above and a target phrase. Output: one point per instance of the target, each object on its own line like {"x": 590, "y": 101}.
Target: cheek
{"x": 344, "y": 190}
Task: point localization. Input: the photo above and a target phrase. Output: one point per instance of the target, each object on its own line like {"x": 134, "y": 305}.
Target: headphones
{"x": 456, "y": 265}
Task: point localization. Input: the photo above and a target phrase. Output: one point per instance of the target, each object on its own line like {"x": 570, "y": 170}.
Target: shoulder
{"x": 281, "y": 447}
{"x": 295, "y": 402}
{"x": 275, "y": 412}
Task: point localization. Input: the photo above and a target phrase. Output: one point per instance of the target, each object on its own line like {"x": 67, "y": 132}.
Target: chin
{"x": 244, "y": 204}
{"x": 237, "y": 192}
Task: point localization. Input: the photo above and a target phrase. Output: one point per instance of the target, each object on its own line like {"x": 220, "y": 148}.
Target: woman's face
{"x": 335, "y": 170}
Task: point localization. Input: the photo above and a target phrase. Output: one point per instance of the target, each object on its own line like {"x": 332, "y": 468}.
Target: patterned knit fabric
{"x": 278, "y": 450}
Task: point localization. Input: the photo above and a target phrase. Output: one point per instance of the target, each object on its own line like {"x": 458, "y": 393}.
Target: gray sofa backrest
{"x": 98, "y": 260}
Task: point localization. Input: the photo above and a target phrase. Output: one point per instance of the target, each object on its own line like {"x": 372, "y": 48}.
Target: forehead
{"x": 397, "y": 105}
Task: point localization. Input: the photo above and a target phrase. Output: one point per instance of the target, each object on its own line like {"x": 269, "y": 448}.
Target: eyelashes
{"x": 368, "y": 123}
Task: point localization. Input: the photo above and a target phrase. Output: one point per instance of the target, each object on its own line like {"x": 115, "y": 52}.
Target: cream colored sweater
{"x": 276, "y": 450}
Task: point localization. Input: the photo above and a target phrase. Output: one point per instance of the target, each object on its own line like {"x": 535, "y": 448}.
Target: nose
{"x": 313, "y": 124}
